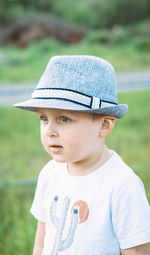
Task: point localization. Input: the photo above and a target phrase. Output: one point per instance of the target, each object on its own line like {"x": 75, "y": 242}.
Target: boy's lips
{"x": 55, "y": 147}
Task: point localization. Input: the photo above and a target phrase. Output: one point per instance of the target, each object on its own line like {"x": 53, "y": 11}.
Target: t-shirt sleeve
{"x": 131, "y": 214}
{"x": 37, "y": 208}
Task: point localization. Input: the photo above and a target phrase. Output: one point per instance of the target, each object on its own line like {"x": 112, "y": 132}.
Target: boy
{"x": 87, "y": 201}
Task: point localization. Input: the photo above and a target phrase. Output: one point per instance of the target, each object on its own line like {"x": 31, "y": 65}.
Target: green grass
{"x": 21, "y": 151}
{"x": 22, "y": 157}
{"x": 127, "y": 50}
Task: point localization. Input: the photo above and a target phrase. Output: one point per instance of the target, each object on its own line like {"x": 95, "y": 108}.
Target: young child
{"x": 87, "y": 201}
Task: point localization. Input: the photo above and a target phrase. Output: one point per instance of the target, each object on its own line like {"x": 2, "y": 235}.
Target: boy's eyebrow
{"x": 64, "y": 112}
{"x": 59, "y": 112}
{"x": 39, "y": 113}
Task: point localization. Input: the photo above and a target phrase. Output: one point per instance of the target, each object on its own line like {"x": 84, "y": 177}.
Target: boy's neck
{"x": 89, "y": 165}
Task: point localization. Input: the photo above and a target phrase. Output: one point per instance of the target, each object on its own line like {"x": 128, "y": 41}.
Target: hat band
{"x": 71, "y": 96}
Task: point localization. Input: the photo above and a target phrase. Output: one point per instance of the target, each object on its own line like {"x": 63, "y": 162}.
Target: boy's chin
{"x": 59, "y": 160}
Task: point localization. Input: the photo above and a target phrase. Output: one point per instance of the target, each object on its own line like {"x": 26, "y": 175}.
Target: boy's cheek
{"x": 45, "y": 146}
{"x": 43, "y": 140}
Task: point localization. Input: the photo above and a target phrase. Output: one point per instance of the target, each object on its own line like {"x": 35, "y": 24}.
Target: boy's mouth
{"x": 55, "y": 146}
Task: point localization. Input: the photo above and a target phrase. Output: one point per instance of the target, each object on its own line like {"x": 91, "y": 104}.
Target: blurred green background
{"x": 118, "y": 31}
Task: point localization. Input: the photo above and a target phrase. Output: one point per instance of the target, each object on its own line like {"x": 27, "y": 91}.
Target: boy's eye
{"x": 45, "y": 119}
{"x": 64, "y": 119}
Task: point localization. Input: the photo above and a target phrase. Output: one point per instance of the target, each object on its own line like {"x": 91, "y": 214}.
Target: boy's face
{"x": 70, "y": 136}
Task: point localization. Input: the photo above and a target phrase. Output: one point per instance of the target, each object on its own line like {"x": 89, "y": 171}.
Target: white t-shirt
{"x": 96, "y": 214}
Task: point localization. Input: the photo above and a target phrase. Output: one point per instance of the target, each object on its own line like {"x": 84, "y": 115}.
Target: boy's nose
{"x": 51, "y": 129}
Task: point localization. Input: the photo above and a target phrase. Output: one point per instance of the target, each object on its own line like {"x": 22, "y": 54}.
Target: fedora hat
{"x": 78, "y": 83}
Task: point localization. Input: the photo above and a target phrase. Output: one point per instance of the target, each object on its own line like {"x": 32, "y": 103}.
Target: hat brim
{"x": 117, "y": 111}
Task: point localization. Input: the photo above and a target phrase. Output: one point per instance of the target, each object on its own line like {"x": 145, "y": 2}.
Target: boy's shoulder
{"x": 123, "y": 178}
{"x": 118, "y": 172}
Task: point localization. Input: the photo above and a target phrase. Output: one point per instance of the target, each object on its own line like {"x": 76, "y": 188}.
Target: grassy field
{"x": 25, "y": 66}
{"x": 22, "y": 157}
{"x": 127, "y": 48}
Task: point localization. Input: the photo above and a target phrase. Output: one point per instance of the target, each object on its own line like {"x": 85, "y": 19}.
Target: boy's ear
{"x": 107, "y": 125}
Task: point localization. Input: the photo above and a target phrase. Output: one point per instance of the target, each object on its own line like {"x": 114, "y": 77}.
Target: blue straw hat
{"x": 78, "y": 83}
